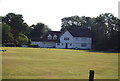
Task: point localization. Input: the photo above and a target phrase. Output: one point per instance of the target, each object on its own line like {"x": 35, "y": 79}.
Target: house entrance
{"x": 66, "y": 45}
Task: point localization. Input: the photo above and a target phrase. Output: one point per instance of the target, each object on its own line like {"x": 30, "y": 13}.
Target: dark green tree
{"x": 76, "y": 21}
{"x": 17, "y": 24}
{"x": 22, "y": 39}
{"x": 7, "y": 36}
{"x": 38, "y": 30}
{"x": 105, "y": 31}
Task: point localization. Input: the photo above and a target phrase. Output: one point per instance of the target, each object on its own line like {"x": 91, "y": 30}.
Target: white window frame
{"x": 49, "y": 37}
{"x": 84, "y": 45}
{"x": 66, "y": 38}
{"x": 58, "y": 44}
{"x": 55, "y": 37}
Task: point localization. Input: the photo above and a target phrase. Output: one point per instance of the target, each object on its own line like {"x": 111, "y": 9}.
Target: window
{"x": 83, "y": 45}
{"x": 76, "y": 39}
{"x": 70, "y": 44}
{"x": 83, "y": 39}
{"x": 58, "y": 43}
{"x": 49, "y": 37}
{"x": 55, "y": 37}
{"x": 66, "y": 38}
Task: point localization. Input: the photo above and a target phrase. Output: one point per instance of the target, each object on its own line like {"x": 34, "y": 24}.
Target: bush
{"x": 33, "y": 45}
{"x": 18, "y": 45}
{"x": 9, "y": 45}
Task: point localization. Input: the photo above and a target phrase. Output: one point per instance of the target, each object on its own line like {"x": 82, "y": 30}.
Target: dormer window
{"x": 55, "y": 37}
{"x": 66, "y": 38}
{"x": 49, "y": 37}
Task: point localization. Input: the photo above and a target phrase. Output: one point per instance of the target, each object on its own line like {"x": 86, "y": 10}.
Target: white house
{"x": 49, "y": 40}
{"x": 76, "y": 38}
{"x": 73, "y": 38}
{"x": 36, "y": 40}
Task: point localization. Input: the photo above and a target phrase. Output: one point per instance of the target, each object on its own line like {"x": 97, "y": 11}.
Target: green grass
{"x": 43, "y": 63}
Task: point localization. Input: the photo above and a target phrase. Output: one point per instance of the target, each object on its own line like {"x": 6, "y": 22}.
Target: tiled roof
{"x": 52, "y": 33}
{"x": 35, "y": 39}
{"x": 75, "y": 32}
{"x": 80, "y": 32}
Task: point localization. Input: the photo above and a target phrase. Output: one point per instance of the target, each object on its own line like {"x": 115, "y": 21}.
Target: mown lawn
{"x": 43, "y": 63}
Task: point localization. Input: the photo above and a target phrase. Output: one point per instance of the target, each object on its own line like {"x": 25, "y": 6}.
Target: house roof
{"x": 75, "y": 32}
{"x": 52, "y": 33}
{"x": 80, "y": 32}
{"x": 35, "y": 39}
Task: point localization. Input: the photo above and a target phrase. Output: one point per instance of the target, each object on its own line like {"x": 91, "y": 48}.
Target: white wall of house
{"x": 40, "y": 44}
{"x": 64, "y": 41}
{"x": 63, "y": 45}
{"x": 49, "y": 44}
{"x": 67, "y": 41}
{"x": 44, "y": 44}
{"x": 24, "y": 45}
{"x": 82, "y": 42}
{"x": 66, "y": 35}
{"x": 74, "y": 42}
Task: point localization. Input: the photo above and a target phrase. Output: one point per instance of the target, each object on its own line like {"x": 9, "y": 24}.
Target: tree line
{"x": 15, "y": 30}
{"x": 105, "y": 29}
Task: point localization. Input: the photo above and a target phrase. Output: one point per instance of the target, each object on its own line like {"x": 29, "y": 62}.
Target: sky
{"x": 50, "y": 12}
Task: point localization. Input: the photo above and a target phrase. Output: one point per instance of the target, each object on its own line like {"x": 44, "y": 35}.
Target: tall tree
{"x": 76, "y": 21}
{"x": 106, "y": 31}
{"x": 17, "y": 24}
{"x": 7, "y": 36}
{"x": 22, "y": 39}
{"x": 38, "y": 30}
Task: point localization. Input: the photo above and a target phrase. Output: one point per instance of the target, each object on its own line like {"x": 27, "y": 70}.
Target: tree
{"x": 7, "y": 36}
{"x": 15, "y": 21}
{"x": 22, "y": 39}
{"x": 76, "y": 21}
{"x": 38, "y": 30}
{"x": 17, "y": 24}
{"x": 105, "y": 30}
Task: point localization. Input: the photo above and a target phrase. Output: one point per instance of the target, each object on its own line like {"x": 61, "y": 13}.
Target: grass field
{"x": 43, "y": 63}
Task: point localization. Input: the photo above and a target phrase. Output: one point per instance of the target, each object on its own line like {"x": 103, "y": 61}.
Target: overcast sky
{"x": 50, "y": 12}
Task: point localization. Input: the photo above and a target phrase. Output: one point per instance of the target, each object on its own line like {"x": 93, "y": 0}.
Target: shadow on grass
{"x": 58, "y": 80}
{"x": 102, "y": 51}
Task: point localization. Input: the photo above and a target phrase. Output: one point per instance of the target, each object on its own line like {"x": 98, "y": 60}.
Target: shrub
{"x": 18, "y": 45}
{"x": 33, "y": 45}
{"x": 9, "y": 45}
